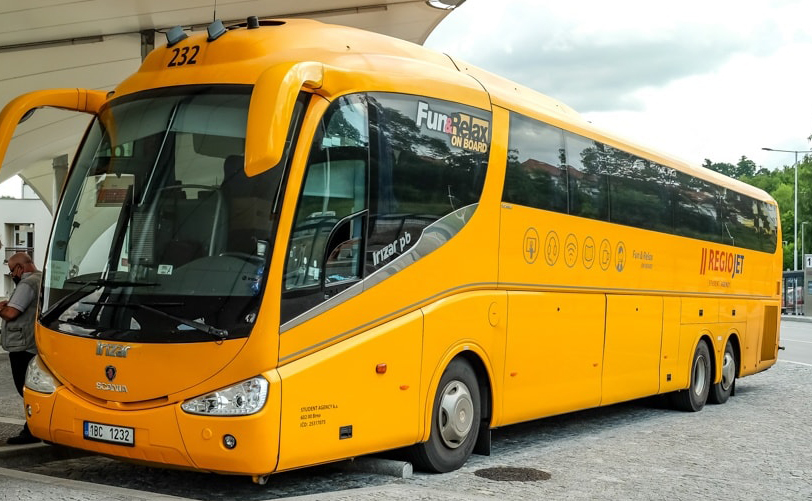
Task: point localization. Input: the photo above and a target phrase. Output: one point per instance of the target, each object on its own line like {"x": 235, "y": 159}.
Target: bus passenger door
{"x": 631, "y": 359}
{"x": 553, "y": 354}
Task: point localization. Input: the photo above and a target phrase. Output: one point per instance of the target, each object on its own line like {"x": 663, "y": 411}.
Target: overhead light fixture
{"x": 445, "y": 4}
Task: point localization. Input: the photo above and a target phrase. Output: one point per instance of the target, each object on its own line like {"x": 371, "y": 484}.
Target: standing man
{"x": 17, "y": 334}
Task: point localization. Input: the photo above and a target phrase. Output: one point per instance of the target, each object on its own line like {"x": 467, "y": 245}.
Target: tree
{"x": 722, "y": 168}
{"x": 745, "y": 168}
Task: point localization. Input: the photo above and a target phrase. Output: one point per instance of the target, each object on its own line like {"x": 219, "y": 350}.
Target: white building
{"x": 25, "y": 225}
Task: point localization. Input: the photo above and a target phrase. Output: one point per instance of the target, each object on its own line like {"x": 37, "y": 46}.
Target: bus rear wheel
{"x": 722, "y": 390}
{"x": 693, "y": 399}
{"x": 455, "y": 421}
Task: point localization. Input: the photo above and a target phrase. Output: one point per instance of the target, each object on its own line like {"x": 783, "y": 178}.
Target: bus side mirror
{"x": 21, "y": 108}
{"x": 270, "y": 111}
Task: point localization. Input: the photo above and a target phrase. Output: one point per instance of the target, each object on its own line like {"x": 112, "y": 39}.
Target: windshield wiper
{"x": 216, "y": 333}
{"x": 65, "y": 301}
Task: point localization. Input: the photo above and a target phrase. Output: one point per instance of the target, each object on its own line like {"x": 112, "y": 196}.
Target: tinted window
{"x": 588, "y": 179}
{"x": 740, "y": 223}
{"x": 551, "y": 169}
{"x": 696, "y": 209}
{"x": 430, "y": 160}
{"x": 768, "y": 226}
{"x": 640, "y": 193}
{"x": 536, "y": 169}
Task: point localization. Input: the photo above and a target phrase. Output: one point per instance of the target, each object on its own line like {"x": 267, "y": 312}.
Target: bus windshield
{"x": 160, "y": 235}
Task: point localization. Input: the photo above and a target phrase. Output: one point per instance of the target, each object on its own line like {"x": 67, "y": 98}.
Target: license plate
{"x": 120, "y": 435}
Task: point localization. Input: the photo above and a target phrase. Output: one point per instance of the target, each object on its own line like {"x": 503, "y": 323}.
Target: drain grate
{"x": 512, "y": 474}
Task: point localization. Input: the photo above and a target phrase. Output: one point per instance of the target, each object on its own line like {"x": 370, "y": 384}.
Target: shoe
{"x": 25, "y": 437}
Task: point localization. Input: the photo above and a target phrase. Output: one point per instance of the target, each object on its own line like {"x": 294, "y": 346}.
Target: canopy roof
{"x": 95, "y": 44}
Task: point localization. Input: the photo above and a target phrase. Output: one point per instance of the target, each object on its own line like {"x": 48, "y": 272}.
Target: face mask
{"x": 17, "y": 280}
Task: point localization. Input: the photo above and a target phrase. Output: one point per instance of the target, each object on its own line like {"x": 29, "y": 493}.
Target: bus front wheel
{"x": 455, "y": 421}
{"x": 693, "y": 399}
{"x": 721, "y": 391}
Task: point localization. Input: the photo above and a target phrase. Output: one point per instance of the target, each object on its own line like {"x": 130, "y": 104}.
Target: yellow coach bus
{"x": 287, "y": 243}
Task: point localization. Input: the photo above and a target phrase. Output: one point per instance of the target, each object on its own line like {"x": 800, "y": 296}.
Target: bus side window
{"x": 588, "y": 179}
{"x": 420, "y": 172}
{"x": 536, "y": 173}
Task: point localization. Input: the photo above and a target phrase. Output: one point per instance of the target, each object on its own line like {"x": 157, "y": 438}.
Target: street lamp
{"x": 795, "y": 210}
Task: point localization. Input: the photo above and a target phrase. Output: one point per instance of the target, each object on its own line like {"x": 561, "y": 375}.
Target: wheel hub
{"x": 456, "y": 414}
{"x": 728, "y": 371}
{"x": 699, "y": 376}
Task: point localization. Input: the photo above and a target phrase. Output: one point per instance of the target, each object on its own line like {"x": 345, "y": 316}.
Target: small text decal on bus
{"x": 726, "y": 262}
{"x": 467, "y": 132}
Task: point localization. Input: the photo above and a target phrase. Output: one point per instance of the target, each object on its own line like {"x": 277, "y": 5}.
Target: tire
{"x": 693, "y": 399}
{"x": 722, "y": 390}
{"x": 455, "y": 421}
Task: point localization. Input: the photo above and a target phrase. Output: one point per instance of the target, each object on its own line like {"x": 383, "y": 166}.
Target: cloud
{"x": 699, "y": 78}
{"x": 597, "y": 56}
{"x": 603, "y": 77}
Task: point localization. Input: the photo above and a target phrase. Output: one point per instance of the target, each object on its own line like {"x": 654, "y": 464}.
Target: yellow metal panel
{"x": 148, "y": 371}
{"x": 553, "y": 355}
{"x": 669, "y": 352}
{"x": 751, "y": 340}
{"x": 732, "y": 310}
{"x": 42, "y": 406}
{"x": 339, "y": 387}
{"x": 700, "y": 310}
{"x": 81, "y": 100}
{"x": 549, "y": 250}
{"x": 631, "y": 359}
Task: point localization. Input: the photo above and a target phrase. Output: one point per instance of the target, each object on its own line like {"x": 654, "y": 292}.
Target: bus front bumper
{"x": 163, "y": 436}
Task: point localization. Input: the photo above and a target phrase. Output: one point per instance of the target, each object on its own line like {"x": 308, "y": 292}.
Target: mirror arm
{"x": 81, "y": 100}
{"x": 271, "y": 109}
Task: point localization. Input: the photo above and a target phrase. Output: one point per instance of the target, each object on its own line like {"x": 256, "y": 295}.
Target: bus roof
{"x": 241, "y": 55}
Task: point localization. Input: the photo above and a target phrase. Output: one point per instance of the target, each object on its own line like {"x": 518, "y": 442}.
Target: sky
{"x": 698, "y": 79}
{"x": 11, "y": 188}
{"x": 709, "y": 79}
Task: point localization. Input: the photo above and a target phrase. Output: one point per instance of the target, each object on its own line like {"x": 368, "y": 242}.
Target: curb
{"x": 29, "y": 454}
{"x": 796, "y": 318}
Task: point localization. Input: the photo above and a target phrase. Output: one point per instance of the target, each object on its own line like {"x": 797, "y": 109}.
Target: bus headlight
{"x": 241, "y": 399}
{"x": 38, "y": 378}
